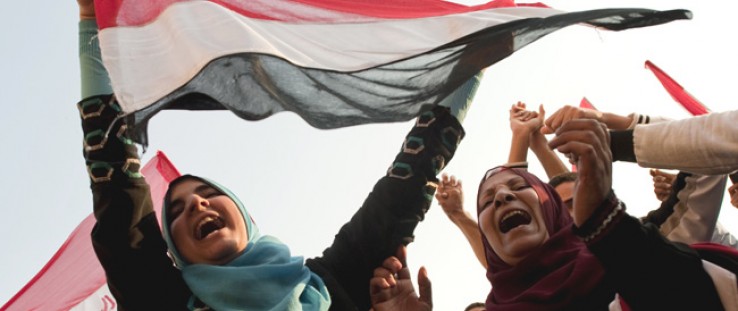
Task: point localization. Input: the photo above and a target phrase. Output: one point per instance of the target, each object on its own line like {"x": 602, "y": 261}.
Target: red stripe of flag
{"x": 74, "y": 273}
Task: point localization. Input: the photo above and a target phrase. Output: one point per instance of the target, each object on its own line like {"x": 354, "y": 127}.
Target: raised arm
{"x": 450, "y": 195}
{"x": 522, "y": 124}
{"x": 551, "y": 162}
{"x": 648, "y": 270}
{"x": 126, "y": 237}
{"x": 611, "y": 120}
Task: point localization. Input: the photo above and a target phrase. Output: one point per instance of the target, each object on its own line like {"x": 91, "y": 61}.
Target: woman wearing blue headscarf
{"x": 208, "y": 253}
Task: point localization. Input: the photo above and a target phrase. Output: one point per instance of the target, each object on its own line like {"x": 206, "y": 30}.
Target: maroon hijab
{"x": 561, "y": 275}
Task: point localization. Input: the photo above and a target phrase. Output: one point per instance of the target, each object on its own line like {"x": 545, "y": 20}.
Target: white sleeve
{"x": 696, "y": 213}
{"x": 704, "y": 145}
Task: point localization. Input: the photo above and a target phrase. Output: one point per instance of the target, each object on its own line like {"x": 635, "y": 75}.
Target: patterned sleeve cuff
{"x": 602, "y": 220}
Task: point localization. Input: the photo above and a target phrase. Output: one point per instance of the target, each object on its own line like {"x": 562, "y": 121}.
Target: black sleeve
{"x": 391, "y": 212}
{"x": 658, "y": 216}
{"x": 621, "y": 145}
{"x": 126, "y": 237}
{"x": 649, "y": 272}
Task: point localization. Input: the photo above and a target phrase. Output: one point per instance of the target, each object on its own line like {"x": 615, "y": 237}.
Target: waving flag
{"x": 73, "y": 278}
{"x": 677, "y": 92}
{"x": 335, "y": 63}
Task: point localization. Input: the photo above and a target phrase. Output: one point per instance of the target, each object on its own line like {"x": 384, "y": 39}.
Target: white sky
{"x": 302, "y": 184}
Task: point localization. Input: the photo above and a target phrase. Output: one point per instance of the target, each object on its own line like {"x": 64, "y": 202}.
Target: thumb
{"x": 541, "y": 112}
{"x": 424, "y": 286}
{"x": 545, "y": 130}
{"x": 653, "y": 172}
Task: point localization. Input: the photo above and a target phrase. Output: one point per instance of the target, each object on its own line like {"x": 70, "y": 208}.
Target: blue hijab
{"x": 264, "y": 277}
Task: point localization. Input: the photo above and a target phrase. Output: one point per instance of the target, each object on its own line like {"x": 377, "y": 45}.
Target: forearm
{"x": 94, "y": 77}
{"x": 470, "y": 229}
{"x": 126, "y": 236}
{"x": 460, "y": 100}
{"x": 519, "y": 147}
{"x": 551, "y": 162}
{"x": 616, "y": 122}
{"x": 705, "y": 145}
{"x": 696, "y": 213}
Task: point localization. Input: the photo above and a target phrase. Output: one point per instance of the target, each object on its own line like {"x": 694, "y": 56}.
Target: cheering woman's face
{"x": 206, "y": 225}
{"x": 510, "y": 216}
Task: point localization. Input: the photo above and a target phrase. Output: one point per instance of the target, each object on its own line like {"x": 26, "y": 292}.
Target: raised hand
{"x": 587, "y": 142}
{"x": 450, "y": 196}
{"x": 662, "y": 183}
{"x": 391, "y": 288}
{"x": 567, "y": 113}
{"x": 525, "y": 121}
{"x": 86, "y": 9}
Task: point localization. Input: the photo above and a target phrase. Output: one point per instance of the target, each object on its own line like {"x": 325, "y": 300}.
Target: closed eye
{"x": 175, "y": 209}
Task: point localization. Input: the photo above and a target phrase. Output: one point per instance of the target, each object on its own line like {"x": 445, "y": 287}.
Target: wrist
{"x": 458, "y": 216}
{"x": 520, "y": 131}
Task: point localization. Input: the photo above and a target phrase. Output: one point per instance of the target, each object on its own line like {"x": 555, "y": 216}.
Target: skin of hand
{"x": 450, "y": 196}
{"x": 733, "y": 190}
{"x": 567, "y": 113}
{"x": 662, "y": 183}
{"x": 588, "y": 143}
{"x": 525, "y": 121}
{"x": 86, "y": 9}
{"x": 391, "y": 287}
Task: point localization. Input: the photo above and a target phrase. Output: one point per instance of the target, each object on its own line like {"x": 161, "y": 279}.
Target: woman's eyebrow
{"x": 202, "y": 188}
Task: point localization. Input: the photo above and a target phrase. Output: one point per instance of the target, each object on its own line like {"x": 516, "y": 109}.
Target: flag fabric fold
{"x": 335, "y": 63}
{"x": 677, "y": 92}
{"x": 73, "y": 278}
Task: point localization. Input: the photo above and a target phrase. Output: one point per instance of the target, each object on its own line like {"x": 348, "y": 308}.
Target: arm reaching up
{"x": 450, "y": 196}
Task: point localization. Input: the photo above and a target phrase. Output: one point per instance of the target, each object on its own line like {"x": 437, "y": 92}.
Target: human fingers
{"x": 401, "y": 255}
{"x": 424, "y": 286}
{"x": 583, "y": 130}
{"x": 662, "y": 193}
{"x": 379, "y": 290}
{"x": 541, "y": 112}
{"x": 441, "y": 196}
{"x": 557, "y": 118}
{"x": 453, "y": 181}
{"x": 588, "y": 142}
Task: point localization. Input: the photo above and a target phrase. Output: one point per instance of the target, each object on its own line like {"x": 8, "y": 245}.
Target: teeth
{"x": 205, "y": 220}
{"x": 511, "y": 214}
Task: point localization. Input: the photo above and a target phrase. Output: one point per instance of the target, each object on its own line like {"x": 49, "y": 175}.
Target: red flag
{"x": 335, "y": 63}
{"x": 73, "y": 278}
{"x": 586, "y": 104}
{"x": 694, "y": 106}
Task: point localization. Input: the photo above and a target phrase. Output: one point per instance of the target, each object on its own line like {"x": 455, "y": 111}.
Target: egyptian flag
{"x": 677, "y": 92}
{"x": 73, "y": 278}
{"x": 335, "y": 63}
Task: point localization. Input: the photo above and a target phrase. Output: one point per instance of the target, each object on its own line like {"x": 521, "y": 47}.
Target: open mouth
{"x": 207, "y": 226}
{"x": 513, "y": 219}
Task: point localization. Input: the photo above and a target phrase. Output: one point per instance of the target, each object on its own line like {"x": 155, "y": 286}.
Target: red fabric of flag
{"x": 694, "y": 106}
{"x": 73, "y": 274}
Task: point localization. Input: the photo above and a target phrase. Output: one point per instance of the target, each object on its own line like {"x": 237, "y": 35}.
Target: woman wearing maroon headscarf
{"x": 541, "y": 258}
